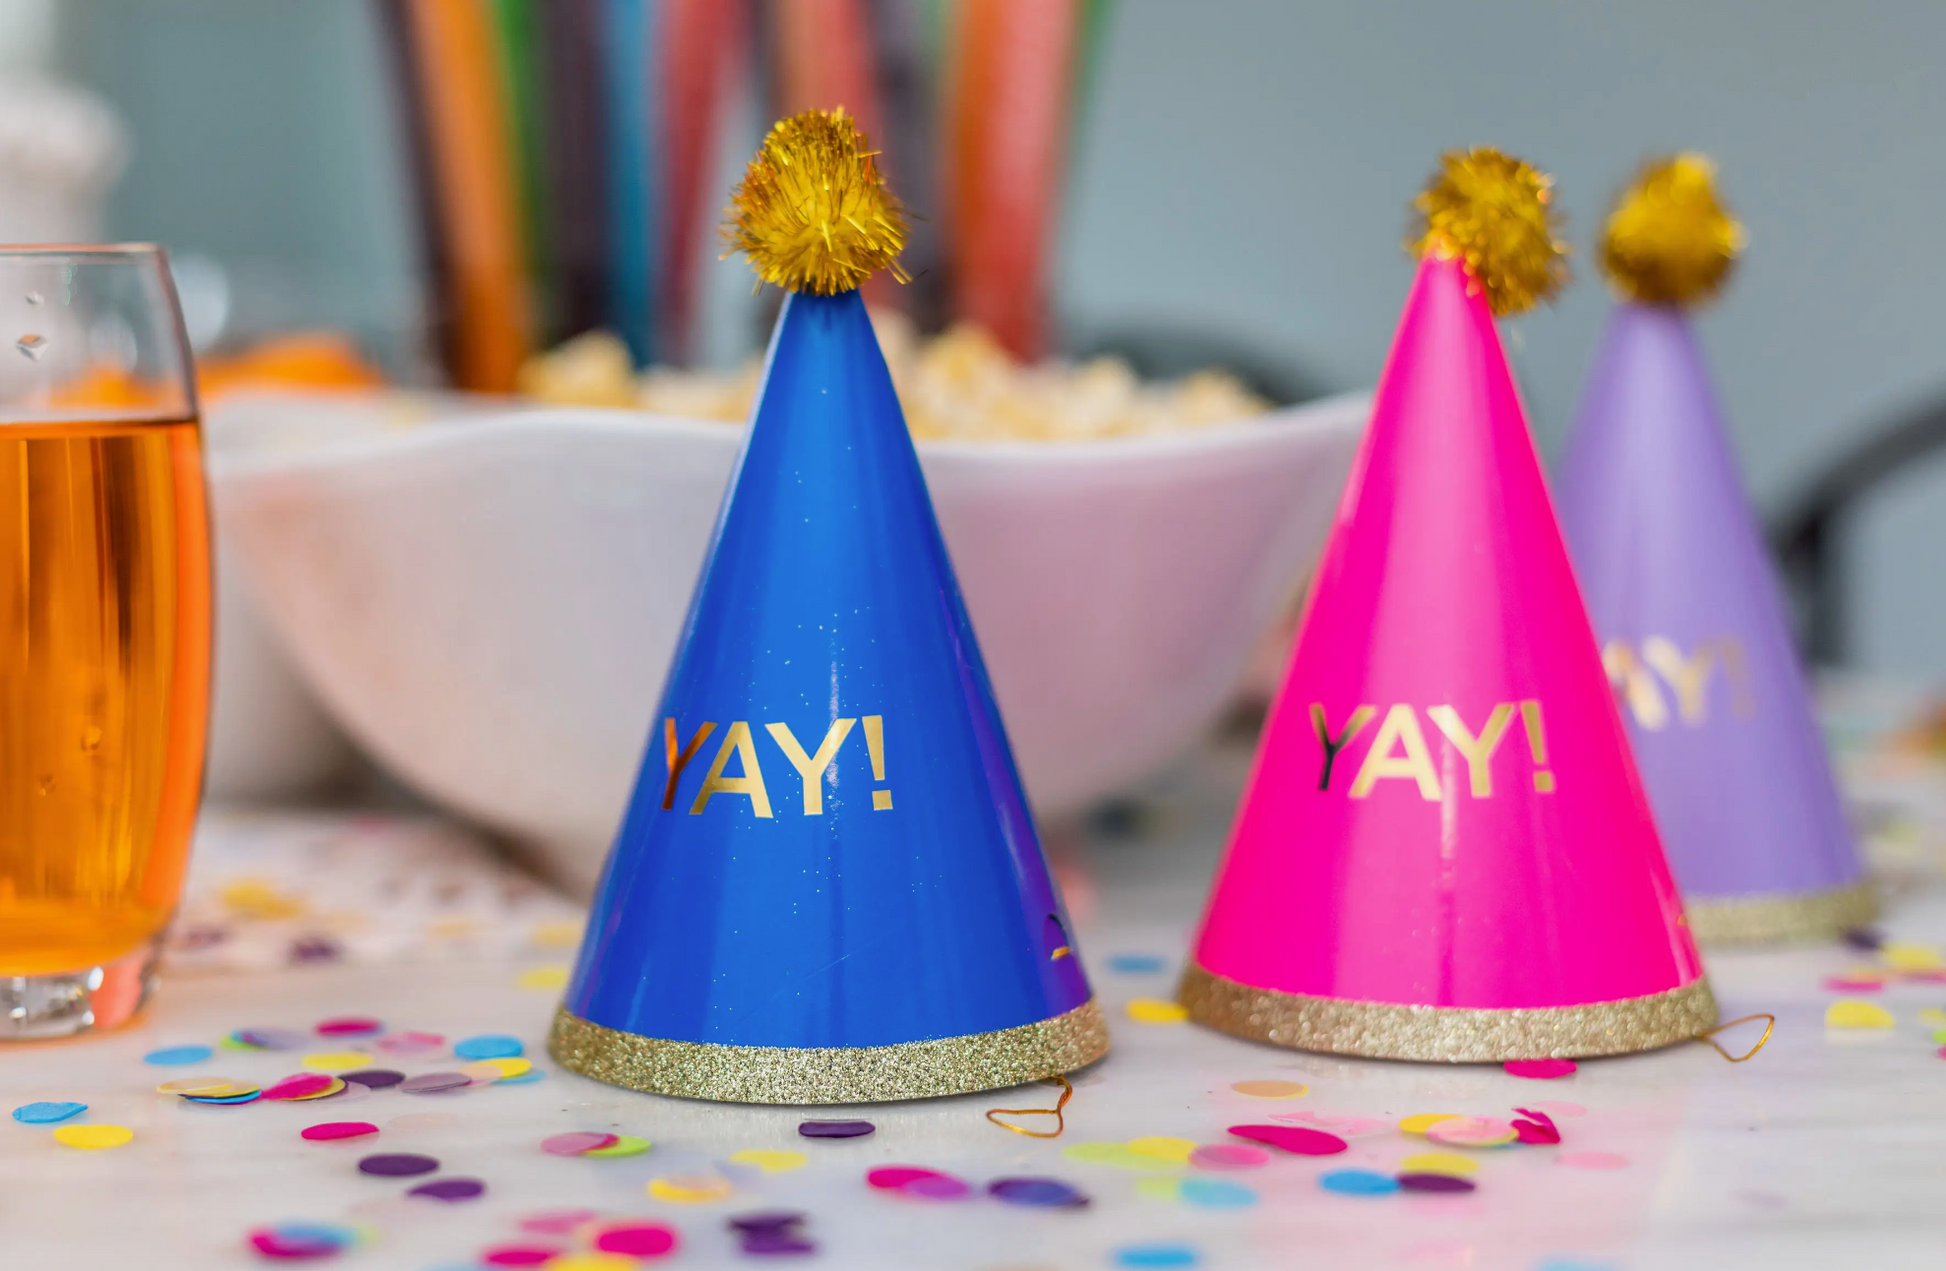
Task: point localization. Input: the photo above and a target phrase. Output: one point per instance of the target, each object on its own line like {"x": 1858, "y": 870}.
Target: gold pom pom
{"x": 1669, "y": 241}
{"x": 812, "y": 213}
{"x": 1493, "y": 212}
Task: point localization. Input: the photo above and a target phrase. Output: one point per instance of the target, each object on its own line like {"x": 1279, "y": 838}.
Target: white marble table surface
{"x": 1824, "y": 1150}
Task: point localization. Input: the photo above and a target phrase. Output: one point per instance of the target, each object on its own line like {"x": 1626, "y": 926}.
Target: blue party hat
{"x": 828, "y": 887}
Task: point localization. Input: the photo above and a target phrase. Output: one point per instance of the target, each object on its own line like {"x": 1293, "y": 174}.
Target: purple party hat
{"x": 1680, "y": 589}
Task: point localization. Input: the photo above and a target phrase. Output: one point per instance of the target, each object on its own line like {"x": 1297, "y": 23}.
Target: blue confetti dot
{"x": 1215, "y": 1193}
{"x": 47, "y": 1113}
{"x": 1359, "y": 1182}
{"x": 532, "y": 1074}
{"x": 1136, "y": 964}
{"x": 173, "y": 1056}
{"x": 488, "y": 1046}
{"x": 317, "y": 1233}
{"x": 1158, "y": 1255}
{"x": 1572, "y": 1264}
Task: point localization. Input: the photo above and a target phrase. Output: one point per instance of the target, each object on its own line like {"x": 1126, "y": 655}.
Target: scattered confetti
{"x": 435, "y": 1082}
{"x": 375, "y": 1078}
{"x": 1438, "y": 1163}
{"x": 1292, "y": 1138}
{"x": 176, "y": 1056}
{"x": 397, "y": 1164}
{"x": 575, "y": 1142}
{"x": 1271, "y": 1089}
{"x": 1854, "y": 1014}
{"x": 835, "y": 1129}
{"x": 47, "y": 1113}
{"x": 1358, "y": 1182}
{"x": 1155, "y": 1010}
{"x": 1161, "y": 1254}
{"x": 639, "y": 1239}
{"x": 1216, "y": 1193}
{"x": 1592, "y": 1160}
{"x": 770, "y": 1161}
{"x": 690, "y": 1189}
{"x": 329, "y": 1131}
{"x": 1424, "y": 1121}
{"x": 92, "y": 1137}
{"x": 1540, "y": 1069}
{"x": 1228, "y": 1156}
{"x": 1137, "y": 963}
{"x": 547, "y": 979}
{"x": 1162, "y": 1147}
{"x": 1039, "y": 1193}
{"x": 336, "y": 1061}
{"x": 624, "y": 1145}
{"x": 349, "y": 1026}
{"x": 1472, "y": 1132}
{"x": 1436, "y": 1183}
{"x": 489, "y": 1046}
{"x": 1540, "y": 1131}
{"x": 450, "y": 1189}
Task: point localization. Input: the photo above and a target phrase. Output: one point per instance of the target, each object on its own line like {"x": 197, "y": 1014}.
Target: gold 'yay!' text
{"x": 1399, "y": 747}
{"x": 740, "y": 743}
{"x": 1634, "y": 677}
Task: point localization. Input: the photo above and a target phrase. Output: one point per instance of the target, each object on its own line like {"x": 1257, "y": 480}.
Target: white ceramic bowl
{"x": 489, "y": 602}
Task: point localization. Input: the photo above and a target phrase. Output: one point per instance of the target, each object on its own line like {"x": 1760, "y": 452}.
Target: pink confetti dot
{"x": 519, "y": 1255}
{"x": 1292, "y": 1138}
{"x": 557, "y": 1222}
{"x": 892, "y": 1178}
{"x": 1848, "y": 984}
{"x": 937, "y": 1187}
{"x": 1228, "y": 1156}
{"x": 349, "y": 1026}
{"x": 1539, "y": 1069}
{"x": 1592, "y": 1160}
{"x": 296, "y": 1087}
{"x": 577, "y": 1142}
{"x": 330, "y": 1130}
{"x": 637, "y": 1240}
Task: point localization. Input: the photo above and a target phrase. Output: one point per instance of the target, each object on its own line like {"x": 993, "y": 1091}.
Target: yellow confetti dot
{"x": 1162, "y": 1147}
{"x": 1438, "y": 1163}
{"x": 255, "y": 898}
{"x": 591, "y": 1261}
{"x": 1159, "y": 1188}
{"x": 338, "y": 1061}
{"x": 1903, "y": 956}
{"x": 768, "y": 1160}
{"x": 1271, "y": 1089}
{"x": 1851, "y": 1013}
{"x": 547, "y": 978}
{"x": 1153, "y": 1010}
{"x": 221, "y": 1087}
{"x": 93, "y": 1136}
{"x": 1932, "y": 1015}
{"x": 557, "y": 935}
{"x": 1115, "y": 1154}
{"x": 1424, "y": 1121}
{"x": 324, "y": 1092}
{"x": 690, "y": 1189}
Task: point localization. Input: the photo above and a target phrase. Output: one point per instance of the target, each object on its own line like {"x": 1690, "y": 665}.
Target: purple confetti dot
{"x": 450, "y": 1189}
{"x": 937, "y": 1187}
{"x": 273, "y": 1038}
{"x": 435, "y": 1082}
{"x": 1435, "y": 1183}
{"x": 375, "y": 1078}
{"x": 767, "y": 1220}
{"x": 397, "y": 1164}
{"x": 1045, "y": 1193}
{"x": 835, "y": 1129}
{"x": 771, "y": 1243}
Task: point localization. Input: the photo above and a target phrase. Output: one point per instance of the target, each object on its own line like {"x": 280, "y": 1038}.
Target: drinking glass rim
{"x": 131, "y": 251}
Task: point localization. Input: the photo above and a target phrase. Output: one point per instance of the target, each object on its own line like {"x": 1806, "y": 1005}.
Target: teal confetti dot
{"x": 1158, "y": 1255}
{"x": 1136, "y": 964}
{"x": 1359, "y": 1182}
{"x": 489, "y": 1046}
{"x": 175, "y": 1056}
{"x": 47, "y": 1113}
{"x": 532, "y": 1074}
{"x": 318, "y": 1233}
{"x": 1215, "y": 1193}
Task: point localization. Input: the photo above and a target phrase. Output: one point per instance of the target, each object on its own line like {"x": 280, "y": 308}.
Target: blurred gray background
{"x": 1244, "y": 173}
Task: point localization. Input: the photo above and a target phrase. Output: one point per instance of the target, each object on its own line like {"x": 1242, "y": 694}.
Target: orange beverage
{"x": 104, "y": 673}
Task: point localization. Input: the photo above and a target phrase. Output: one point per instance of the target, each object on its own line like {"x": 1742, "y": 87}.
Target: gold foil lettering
{"x": 1477, "y": 751}
{"x": 736, "y": 741}
{"x": 1636, "y": 684}
{"x": 1401, "y": 725}
{"x": 1332, "y": 745}
{"x": 811, "y": 767}
{"x": 679, "y": 759}
{"x": 1689, "y": 677}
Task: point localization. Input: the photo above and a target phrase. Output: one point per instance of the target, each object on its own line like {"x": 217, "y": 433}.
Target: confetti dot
{"x": 176, "y": 1056}
{"x": 770, "y": 1161}
{"x": 637, "y": 1239}
{"x": 328, "y": 1131}
{"x": 375, "y": 1078}
{"x": 1137, "y": 964}
{"x": 1855, "y": 1014}
{"x": 1154, "y": 1010}
{"x": 1271, "y": 1089}
{"x": 1934, "y": 1016}
{"x": 397, "y": 1164}
{"x": 1438, "y": 1163}
{"x": 349, "y": 1026}
{"x": 1854, "y": 984}
{"x": 47, "y": 1113}
{"x": 624, "y": 1145}
{"x": 766, "y": 1220}
{"x": 410, "y": 1043}
{"x": 835, "y": 1129}
{"x": 1117, "y": 1155}
{"x": 219, "y": 1086}
{"x": 1424, "y": 1121}
{"x": 1540, "y": 1069}
{"x": 337, "y": 1061}
{"x": 450, "y": 1189}
{"x": 1343, "y": 1127}
{"x": 690, "y": 1189}
{"x": 558, "y": 1222}
{"x": 592, "y": 1261}
{"x": 1163, "y": 1147}
{"x": 1472, "y": 1132}
{"x": 1903, "y": 955}
{"x": 92, "y": 1136}
{"x": 225, "y": 1101}
{"x": 519, "y": 1255}
{"x": 937, "y": 1187}
{"x": 298, "y": 1241}
{"x": 1216, "y": 1193}
{"x": 498, "y": 1069}
{"x": 435, "y": 1082}
{"x": 546, "y": 979}
{"x": 1037, "y": 1193}
{"x": 891, "y": 1178}
{"x": 575, "y": 1142}
{"x": 1358, "y": 1182}
{"x": 1160, "y": 1254}
{"x": 334, "y": 1086}
{"x": 1228, "y": 1156}
{"x": 1592, "y": 1160}
{"x": 785, "y": 1243}
{"x": 489, "y": 1046}
{"x": 1435, "y": 1183}
{"x": 272, "y": 1038}
{"x": 1292, "y": 1138}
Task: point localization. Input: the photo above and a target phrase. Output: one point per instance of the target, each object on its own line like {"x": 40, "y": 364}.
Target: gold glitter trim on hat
{"x": 831, "y": 1074}
{"x": 1798, "y": 916}
{"x": 1446, "y": 1034}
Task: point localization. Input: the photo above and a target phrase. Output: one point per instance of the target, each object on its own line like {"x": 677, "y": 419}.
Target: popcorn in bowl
{"x": 957, "y": 386}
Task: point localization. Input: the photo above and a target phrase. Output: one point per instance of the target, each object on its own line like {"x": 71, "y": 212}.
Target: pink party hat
{"x": 1444, "y": 851}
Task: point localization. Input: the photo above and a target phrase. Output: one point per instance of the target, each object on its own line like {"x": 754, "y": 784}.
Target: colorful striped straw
{"x": 630, "y": 42}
